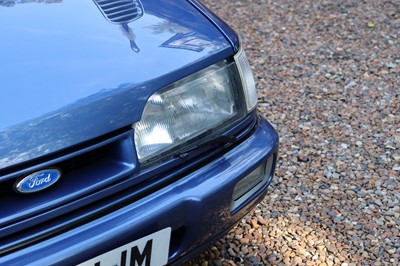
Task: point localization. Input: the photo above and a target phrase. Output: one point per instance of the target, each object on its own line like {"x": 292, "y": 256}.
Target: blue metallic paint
{"x": 70, "y": 75}
{"x": 205, "y": 194}
{"x": 224, "y": 28}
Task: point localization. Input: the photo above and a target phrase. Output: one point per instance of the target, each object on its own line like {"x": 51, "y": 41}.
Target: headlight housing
{"x": 196, "y": 107}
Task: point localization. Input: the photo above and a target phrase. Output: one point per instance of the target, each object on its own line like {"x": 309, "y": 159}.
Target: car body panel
{"x": 70, "y": 75}
{"x": 224, "y": 28}
{"x": 74, "y": 82}
{"x": 205, "y": 194}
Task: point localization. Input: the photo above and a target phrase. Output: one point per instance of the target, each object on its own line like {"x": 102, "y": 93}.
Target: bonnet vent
{"x": 120, "y": 11}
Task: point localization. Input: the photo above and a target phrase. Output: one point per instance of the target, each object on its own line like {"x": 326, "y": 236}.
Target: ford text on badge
{"x": 38, "y": 181}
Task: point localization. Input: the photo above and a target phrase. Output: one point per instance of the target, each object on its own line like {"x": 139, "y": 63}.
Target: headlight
{"x": 194, "y": 108}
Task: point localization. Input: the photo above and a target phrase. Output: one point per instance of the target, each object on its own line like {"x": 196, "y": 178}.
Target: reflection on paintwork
{"x": 11, "y": 3}
{"x": 130, "y": 35}
{"x": 64, "y": 125}
{"x": 189, "y": 41}
{"x": 80, "y": 75}
{"x": 166, "y": 26}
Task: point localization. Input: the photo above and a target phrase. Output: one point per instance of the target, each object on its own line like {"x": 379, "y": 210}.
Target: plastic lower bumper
{"x": 198, "y": 208}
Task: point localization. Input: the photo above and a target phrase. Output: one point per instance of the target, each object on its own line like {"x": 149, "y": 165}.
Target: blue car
{"x": 129, "y": 133}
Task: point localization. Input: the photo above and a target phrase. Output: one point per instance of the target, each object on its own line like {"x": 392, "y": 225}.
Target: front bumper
{"x": 197, "y": 207}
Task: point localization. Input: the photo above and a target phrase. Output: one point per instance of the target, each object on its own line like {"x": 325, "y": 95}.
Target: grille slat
{"x": 115, "y": 9}
{"x": 120, "y": 15}
{"x": 113, "y": 4}
{"x": 120, "y": 11}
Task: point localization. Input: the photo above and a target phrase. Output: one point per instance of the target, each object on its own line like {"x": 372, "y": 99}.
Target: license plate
{"x": 151, "y": 250}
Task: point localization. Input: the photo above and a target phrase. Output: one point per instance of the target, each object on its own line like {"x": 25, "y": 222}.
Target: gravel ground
{"x": 328, "y": 75}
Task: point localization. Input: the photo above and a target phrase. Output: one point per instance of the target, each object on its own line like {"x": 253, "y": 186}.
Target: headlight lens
{"x": 193, "y": 108}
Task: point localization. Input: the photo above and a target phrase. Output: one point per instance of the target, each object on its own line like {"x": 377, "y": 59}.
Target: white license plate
{"x": 151, "y": 250}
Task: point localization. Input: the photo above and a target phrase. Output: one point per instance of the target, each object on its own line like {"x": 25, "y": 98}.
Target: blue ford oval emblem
{"x": 38, "y": 181}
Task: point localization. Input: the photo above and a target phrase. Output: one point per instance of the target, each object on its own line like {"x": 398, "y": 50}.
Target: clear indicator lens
{"x": 246, "y": 75}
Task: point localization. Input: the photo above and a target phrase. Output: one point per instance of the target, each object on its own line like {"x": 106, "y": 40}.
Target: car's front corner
{"x": 151, "y": 122}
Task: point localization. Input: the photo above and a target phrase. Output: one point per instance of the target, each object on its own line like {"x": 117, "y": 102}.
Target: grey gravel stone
{"x": 328, "y": 78}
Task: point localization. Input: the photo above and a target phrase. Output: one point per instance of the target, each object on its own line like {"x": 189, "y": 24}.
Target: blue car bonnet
{"x": 71, "y": 72}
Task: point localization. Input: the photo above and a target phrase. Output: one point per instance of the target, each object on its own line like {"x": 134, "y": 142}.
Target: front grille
{"x": 120, "y": 11}
{"x": 84, "y": 172}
